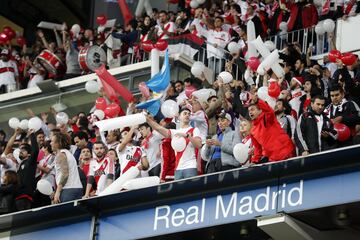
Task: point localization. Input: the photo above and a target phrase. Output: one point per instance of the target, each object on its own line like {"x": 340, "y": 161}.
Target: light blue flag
{"x": 152, "y": 105}
{"x": 161, "y": 80}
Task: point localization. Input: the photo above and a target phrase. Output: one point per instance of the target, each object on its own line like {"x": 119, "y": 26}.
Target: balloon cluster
{"x": 322, "y": 27}
{"x": 7, "y": 35}
{"x": 109, "y": 111}
{"x": 346, "y": 58}
{"x": 160, "y": 45}
{"x": 33, "y": 123}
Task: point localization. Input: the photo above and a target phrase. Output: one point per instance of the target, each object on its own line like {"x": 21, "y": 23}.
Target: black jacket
{"x": 27, "y": 170}
{"x": 307, "y": 134}
{"x": 348, "y": 111}
{"x": 7, "y": 198}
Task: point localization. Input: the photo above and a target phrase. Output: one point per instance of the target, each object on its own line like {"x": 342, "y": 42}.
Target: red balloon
{"x": 348, "y": 58}
{"x": 112, "y": 110}
{"x": 343, "y": 131}
{"x": 11, "y": 34}
{"x": 100, "y": 103}
{"x": 4, "y": 37}
{"x": 21, "y": 41}
{"x": 101, "y": 19}
{"x": 189, "y": 90}
{"x": 147, "y": 46}
{"x": 334, "y": 55}
{"x": 161, "y": 45}
{"x": 144, "y": 90}
{"x": 274, "y": 89}
{"x": 253, "y": 63}
{"x": 7, "y": 29}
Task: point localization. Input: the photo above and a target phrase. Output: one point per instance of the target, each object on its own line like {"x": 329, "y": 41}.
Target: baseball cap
{"x": 225, "y": 115}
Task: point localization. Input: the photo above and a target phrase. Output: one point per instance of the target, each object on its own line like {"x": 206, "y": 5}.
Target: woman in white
{"x": 66, "y": 171}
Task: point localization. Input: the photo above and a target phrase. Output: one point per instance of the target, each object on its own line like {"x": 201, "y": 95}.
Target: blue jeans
{"x": 69, "y": 194}
{"x": 185, "y": 173}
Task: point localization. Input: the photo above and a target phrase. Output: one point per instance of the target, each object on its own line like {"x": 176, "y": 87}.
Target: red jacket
{"x": 268, "y": 138}
{"x": 168, "y": 164}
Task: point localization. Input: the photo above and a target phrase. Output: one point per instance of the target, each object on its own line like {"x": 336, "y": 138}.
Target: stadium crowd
{"x": 80, "y": 161}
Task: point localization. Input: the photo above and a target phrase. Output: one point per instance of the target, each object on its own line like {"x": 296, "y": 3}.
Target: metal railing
{"x": 306, "y": 37}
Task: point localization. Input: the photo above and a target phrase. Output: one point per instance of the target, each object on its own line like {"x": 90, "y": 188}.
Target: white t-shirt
{"x": 99, "y": 170}
{"x": 200, "y": 121}
{"x": 187, "y": 158}
{"x": 130, "y": 156}
{"x": 74, "y": 178}
{"x": 170, "y": 27}
{"x": 49, "y": 162}
{"x": 153, "y": 149}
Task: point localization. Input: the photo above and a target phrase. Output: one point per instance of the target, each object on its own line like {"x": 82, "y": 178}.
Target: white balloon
{"x": 283, "y": 26}
{"x": 271, "y": 101}
{"x": 24, "y": 124}
{"x": 35, "y": 123}
{"x": 263, "y": 93}
{"x": 270, "y": 45}
{"x": 178, "y": 144}
{"x": 233, "y": 47}
{"x": 62, "y": 118}
{"x": 14, "y": 122}
{"x": 203, "y": 94}
{"x": 197, "y": 68}
{"x": 194, "y": 4}
{"x": 100, "y": 114}
{"x": 241, "y": 152}
{"x": 44, "y": 187}
{"x": 92, "y": 86}
{"x": 319, "y": 28}
{"x": 169, "y": 108}
{"x": 329, "y": 25}
{"x": 75, "y": 28}
{"x": 203, "y": 153}
{"x": 226, "y": 77}
{"x": 201, "y": 1}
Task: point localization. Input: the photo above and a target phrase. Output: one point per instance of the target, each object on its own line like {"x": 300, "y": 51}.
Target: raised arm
{"x": 154, "y": 125}
{"x": 9, "y": 145}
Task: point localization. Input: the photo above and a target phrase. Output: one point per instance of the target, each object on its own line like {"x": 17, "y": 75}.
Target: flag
{"x": 109, "y": 80}
{"x": 188, "y": 44}
{"x": 160, "y": 81}
{"x": 125, "y": 11}
{"x": 152, "y": 105}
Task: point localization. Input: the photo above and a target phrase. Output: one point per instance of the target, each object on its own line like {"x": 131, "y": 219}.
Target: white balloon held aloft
{"x": 44, "y": 187}
{"x": 92, "y": 86}
{"x": 99, "y": 114}
{"x": 169, "y": 108}
{"x": 14, "y": 122}
{"x": 62, "y": 118}
{"x": 329, "y": 25}
{"x": 194, "y": 4}
{"x": 35, "y": 123}
{"x": 233, "y": 47}
{"x": 241, "y": 152}
{"x": 203, "y": 95}
{"x": 226, "y": 77}
{"x": 270, "y": 45}
{"x": 178, "y": 143}
{"x": 263, "y": 93}
{"x": 197, "y": 68}
{"x": 319, "y": 28}
{"x": 24, "y": 124}
{"x": 283, "y": 26}
{"x": 75, "y": 29}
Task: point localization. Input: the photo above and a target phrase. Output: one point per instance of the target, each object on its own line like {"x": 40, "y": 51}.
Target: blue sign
{"x": 289, "y": 196}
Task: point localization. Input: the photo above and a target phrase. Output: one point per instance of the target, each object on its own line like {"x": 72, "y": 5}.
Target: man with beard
{"x": 26, "y": 172}
{"x": 314, "y": 131}
{"x": 165, "y": 29}
{"x": 8, "y": 72}
{"x": 101, "y": 170}
{"x": 270, "y": 142}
